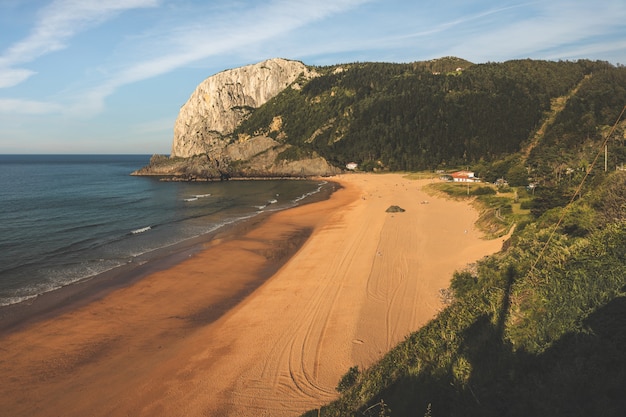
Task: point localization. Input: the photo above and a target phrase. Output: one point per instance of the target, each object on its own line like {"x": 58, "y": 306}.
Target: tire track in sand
{"x": 295, "y": 362}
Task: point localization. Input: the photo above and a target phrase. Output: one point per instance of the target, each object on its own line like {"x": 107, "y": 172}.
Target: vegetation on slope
{"x": 534, "y": 330}
{"x": 539, "y": 328}
{"x": 426, "y": 115}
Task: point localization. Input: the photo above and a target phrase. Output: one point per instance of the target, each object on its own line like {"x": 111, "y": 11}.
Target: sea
{"x": 68, "y": 218}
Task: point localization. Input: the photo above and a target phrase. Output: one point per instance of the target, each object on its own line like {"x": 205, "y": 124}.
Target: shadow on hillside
{"x": 582, "y": 374}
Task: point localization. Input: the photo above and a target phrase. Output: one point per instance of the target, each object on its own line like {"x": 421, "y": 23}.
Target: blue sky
{"x": 109, "y": 76}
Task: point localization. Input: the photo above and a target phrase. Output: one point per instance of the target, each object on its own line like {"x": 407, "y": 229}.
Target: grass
{"x": 499, "y": 208}
{"x": 510, "y": 344}
{"x": 421, "y": 175}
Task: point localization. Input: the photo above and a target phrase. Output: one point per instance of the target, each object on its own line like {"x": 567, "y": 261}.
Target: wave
{"x": 195, "y": 197}
{"x": 310, "y": 193}
{"x": 59, "y": 276}
{"x": 141, "y": 230}
{"x": 93, "y": 250}
{"x": 7, "y": 301}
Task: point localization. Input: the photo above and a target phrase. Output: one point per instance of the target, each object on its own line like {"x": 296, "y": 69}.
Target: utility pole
{"x": 606, "y": 156}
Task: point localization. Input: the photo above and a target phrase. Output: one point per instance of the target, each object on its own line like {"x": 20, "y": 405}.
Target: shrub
{"x": 349, "y": 379}
{"x": 483, "y": 191}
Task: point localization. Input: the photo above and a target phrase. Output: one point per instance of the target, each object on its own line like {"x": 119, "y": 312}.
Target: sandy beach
{"x": 234, "y": 330}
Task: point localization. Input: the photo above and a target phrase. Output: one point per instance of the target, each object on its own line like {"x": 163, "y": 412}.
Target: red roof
{"x": 462, "y": 174}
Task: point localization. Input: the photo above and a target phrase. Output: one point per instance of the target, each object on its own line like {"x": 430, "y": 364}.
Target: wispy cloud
{"x": 55, "y": 26}
{"x": 449, "y": 25}
{"x": 237, "y": 27}
{"x": 19, "y": 106}
{"x": 236, "y": 30}
{"x": 177, "y": 34}
{"x": 10, "y": 77}
{"x": 544, "y": 27}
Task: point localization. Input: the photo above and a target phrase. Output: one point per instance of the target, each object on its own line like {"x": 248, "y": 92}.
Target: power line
{"x": 577, "y": 192}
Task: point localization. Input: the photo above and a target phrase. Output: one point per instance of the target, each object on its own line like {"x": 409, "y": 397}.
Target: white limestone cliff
{"x": 222, "y": 101}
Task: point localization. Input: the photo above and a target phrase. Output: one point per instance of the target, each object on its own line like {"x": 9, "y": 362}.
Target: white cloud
{"x": 19, "y": 106}
{"x": 10, "y": 77}
{"x": 61, "y": 20}
{"x": 182, "y": 34}
{"x": 235, "y": 31}
{"x": 540, "y": 29}
{"x": 56, "y": 25}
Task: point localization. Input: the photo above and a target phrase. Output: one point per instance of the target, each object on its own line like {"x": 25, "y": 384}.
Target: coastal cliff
{"x": 204, "y": 146}
{"x": 222, "y": 101}
{"x": 283, "y": 118}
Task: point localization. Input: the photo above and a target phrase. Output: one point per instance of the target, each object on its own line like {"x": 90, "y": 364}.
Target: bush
{"x": 463, "y": 283}
{"x": 526, "y": 205}
{"x": 349, "y": 379}
{"x": 483, "y": 191}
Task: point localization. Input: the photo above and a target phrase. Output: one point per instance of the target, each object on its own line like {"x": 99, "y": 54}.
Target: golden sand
{"x": 167, "y": 345}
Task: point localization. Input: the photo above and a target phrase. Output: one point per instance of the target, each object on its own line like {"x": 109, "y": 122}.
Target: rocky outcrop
{"x": 224, "y": 100}
{"x": 261, "y": 157}
{"x": 257, "y": 157}
{"x": 204, "y": 147}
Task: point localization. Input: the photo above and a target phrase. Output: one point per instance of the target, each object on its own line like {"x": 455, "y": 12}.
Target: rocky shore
{"x": 204, "y": 168}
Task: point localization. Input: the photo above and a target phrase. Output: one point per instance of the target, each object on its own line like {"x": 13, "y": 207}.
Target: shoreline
{"x": 53, "y": 303}
{"x": 353, "y": 282}
{"x": 77, "y": 294}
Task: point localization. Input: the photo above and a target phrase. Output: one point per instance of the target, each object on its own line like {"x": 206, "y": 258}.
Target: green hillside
{"x": 447, "y": 113}
{"x": 536, "y": 330}
{"x": 540, "y": 328}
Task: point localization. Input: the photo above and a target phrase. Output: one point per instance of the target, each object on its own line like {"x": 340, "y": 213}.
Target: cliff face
{"x": 223, "y": 100}
{"x": 204, "y": 147}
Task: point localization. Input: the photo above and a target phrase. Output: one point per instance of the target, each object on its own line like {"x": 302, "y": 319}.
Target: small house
{"x": 464, "y": 176}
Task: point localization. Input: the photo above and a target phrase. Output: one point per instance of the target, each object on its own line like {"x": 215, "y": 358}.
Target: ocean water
{"x": 66, "y": 218}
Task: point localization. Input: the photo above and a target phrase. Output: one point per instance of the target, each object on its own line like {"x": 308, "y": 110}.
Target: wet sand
{"x": 242, "y": 327}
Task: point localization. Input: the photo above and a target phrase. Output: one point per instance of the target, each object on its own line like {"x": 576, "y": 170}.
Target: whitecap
{"x": 141, "y": 230}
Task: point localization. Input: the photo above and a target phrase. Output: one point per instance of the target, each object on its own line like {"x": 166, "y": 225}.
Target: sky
{"x": 109, "y": 76}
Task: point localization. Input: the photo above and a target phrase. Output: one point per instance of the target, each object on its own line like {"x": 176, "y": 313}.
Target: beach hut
{"x": 464, "y": 176}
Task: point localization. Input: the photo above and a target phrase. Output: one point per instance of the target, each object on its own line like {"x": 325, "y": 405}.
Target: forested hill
{"x": 444, "y": 113}
{"x": 535, "y": 330}
{"x": 539, "y": 328}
